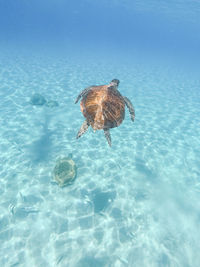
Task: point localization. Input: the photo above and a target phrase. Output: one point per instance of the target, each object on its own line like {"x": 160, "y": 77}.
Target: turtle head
{"x": 114, "y": 82}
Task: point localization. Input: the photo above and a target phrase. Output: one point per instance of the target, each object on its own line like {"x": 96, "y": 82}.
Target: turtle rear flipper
{"x": 107, "y": 135}
{"x": 83, "y": 129}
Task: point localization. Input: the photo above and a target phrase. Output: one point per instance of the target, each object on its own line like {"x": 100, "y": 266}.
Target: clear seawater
{"x": 134, "y": 204}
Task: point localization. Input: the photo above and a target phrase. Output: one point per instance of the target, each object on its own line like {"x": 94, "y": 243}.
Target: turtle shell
{"x": 65, "y": 171}
{"x": 37, "y": 100}
{"x": 103, "y": 107}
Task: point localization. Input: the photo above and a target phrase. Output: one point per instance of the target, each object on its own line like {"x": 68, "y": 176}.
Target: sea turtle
{"x": 104, "y": 108}
{"x": 65, "y": 170}
{"x": 37, "y": 100}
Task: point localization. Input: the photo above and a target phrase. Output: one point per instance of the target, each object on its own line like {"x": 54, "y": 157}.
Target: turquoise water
{"x": 134, "y": 204}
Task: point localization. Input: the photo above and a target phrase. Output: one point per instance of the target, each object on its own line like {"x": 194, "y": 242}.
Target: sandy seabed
{"x": 134, "y": 204}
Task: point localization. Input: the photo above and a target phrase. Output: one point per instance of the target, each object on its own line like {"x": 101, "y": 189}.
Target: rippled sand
{"x": 135, "y": 204}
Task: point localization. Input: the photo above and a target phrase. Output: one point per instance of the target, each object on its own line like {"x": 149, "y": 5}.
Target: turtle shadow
{"x": 41, "y": 149}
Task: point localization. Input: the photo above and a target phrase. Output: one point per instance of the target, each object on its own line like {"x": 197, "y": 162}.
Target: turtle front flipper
{"x": 83, "y": 129}
{"x": 107, "y": 135}
{"x": 130, "y": 108}
{"x": 84, "y": 92}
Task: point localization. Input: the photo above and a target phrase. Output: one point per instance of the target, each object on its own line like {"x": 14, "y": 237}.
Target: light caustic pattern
{"x": 135, "y": 204}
